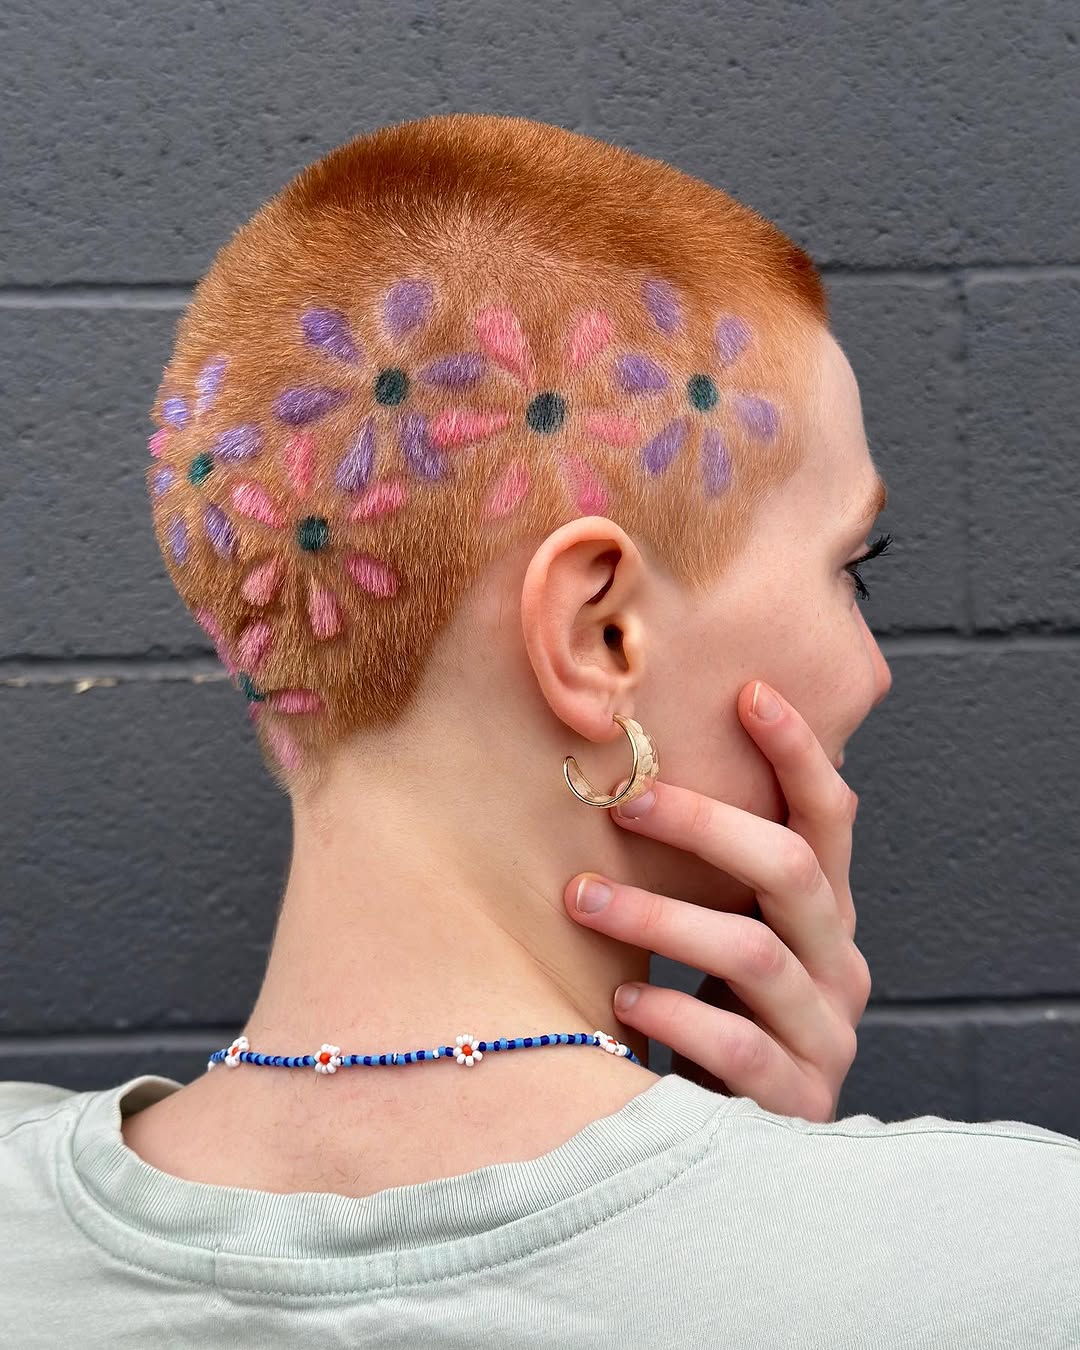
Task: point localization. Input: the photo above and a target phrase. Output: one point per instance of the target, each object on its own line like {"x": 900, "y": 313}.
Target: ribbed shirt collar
{"x": 318, "y": 1242}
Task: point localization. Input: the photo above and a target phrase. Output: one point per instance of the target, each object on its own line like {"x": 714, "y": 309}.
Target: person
{"x": 503, "y": 466}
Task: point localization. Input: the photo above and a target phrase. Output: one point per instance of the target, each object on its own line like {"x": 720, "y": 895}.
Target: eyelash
{"x": 876, "y": 549}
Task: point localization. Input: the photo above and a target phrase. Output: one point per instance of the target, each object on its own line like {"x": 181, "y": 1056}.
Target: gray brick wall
{"x": 925, "y": 153}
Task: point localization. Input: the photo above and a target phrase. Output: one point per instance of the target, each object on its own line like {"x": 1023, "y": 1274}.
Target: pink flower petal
{"x": 380, "y": 499}
{"x": 212, "y": 629}
{"x": 612, "y": 428}
{"x": 252, "y": 644}
{"x": 501, "y": 337}
{"x": 323, "y": 611}
{"x": 262, "y": 582}
{"x": 587, "y": 491}
{"x": 371, "y": 575}
{"x": 295, "y": 701}
{"x": 591, "y": 335}
{"x": 464, "y": 426}
{"x": 284, "y": 747}
{"x": 300, "y": 461}
{"x": 508, "y": 492}
{"x": 251, "y": 500}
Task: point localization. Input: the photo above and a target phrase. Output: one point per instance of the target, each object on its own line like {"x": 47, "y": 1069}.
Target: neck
{"x": 394, "y": 936}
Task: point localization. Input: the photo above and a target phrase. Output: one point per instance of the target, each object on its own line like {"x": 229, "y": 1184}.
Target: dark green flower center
{"x": 546, "y": 412}
{"x": 391, "y": 386}
{"x": 313, "y": 533}
{"x": 249, "y": 688}
{"x": 202, "y": 466}
{"x": 702, "y": 391}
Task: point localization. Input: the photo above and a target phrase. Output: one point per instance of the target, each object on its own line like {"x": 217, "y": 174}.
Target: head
{"x": 482, "y": 431}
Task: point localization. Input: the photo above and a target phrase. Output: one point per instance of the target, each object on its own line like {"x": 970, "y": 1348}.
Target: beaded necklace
{"x": 466, "y": 1050}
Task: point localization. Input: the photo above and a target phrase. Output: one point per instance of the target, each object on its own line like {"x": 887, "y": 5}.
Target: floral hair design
{"x": 287, "y": 532}
{"x": 388, "y": 378}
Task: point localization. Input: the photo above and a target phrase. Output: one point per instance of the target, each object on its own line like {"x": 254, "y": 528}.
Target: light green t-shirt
{"x": 683, "y": 1219}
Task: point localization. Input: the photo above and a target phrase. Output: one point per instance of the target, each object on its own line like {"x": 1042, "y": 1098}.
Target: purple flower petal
{"x": 162, "y": 480}
{"x": 732, "y": 336}
{"x": 208, "y": 381}
{"x": 307, "y": 403}
{"x": 406, "y": 305}
{"x": 757, "y": 415}
{"x": 219, "y": 530}
{"x": 715, "y": 464}
{"x": 421, "y": 456}
{"x": 175, "y": 412}
{"x": 664, "y": 446}
{"x": 662, "y": 304}
{"x": 238, "y": 443}
{"x": 456, "y": 370}
{"x": 178, "y": 538}
{"x": 355, "y": 468}
{"x": 640, "y": 375}
{"x": 328, "y": 329}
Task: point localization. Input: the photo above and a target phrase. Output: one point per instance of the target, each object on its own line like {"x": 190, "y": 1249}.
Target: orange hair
{"x": 443, "y": 339}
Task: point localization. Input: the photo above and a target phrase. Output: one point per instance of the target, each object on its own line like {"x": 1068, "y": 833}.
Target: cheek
{"x": 713, "y": 754}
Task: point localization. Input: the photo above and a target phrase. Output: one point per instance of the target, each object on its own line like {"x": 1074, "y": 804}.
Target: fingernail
{"x": 765, "y": 705}
{"x": 626, "y": 996}
{"x": 638, "y": 806}
{"x": 592, "y": 895}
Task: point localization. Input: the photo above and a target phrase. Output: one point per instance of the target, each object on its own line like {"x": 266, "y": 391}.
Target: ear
{"x": 581, "y": 617}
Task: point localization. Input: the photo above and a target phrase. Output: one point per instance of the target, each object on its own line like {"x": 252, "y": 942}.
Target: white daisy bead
{"x": 610, "y": 1044}
{"x": 232, "y": 1057}
{"x": 466, "y": 1052}
{"x": 328, "y": 1060}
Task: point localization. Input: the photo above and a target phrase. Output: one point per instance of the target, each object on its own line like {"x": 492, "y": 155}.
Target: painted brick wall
{"x": 925, "y": 153}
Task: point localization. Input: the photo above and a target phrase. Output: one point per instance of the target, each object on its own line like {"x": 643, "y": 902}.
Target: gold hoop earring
{"x": 644, "y": 772}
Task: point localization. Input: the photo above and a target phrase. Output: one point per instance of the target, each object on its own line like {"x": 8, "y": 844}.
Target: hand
{"x": 775, "y": 1016}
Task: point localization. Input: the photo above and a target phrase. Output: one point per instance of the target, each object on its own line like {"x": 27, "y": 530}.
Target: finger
{"x": 730, "y": 1048}
{"x": 746, "y": 954}
{"x": 821, "y": 805}
{"x": 795, "y": 897}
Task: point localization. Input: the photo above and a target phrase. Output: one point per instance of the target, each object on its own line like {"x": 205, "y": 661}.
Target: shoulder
{"x": 976, "y": 1169}
{"x": 24, "y": 1103}
{"x": 914, "y": 1130}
